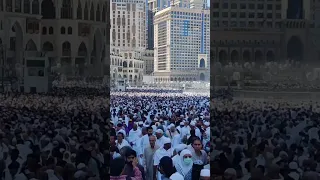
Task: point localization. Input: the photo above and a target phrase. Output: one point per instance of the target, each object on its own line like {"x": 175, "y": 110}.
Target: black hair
{"x": 114, "y": 149}
{"x": 262, "y": 168}
{"x": 131, "y": 152}
{"x": 117, "y": 166}
{"x": 121, "y": 134}
{"x": 166, "y": 164}
{"x": 196, "y": 139}
{"x": 14, "y": 165}
{"x": 192, "y": 132}
{"x": 50, "y": 161}
{"x": 15, "y": 154}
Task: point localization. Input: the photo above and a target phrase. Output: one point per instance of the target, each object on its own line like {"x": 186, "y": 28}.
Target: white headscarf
{"x": 181, "y": 167}
{"x": 176, "y": 176}
{"x": 68, "y": 160}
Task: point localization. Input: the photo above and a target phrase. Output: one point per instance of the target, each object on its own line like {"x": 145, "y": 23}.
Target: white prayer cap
{"x": 81, "y": 165}
{"x": 205, "y": 173}
{"x": 79, "y": 174}
{"x": 192, "y": 123}
{"x": 177, "y": 176}
{"x": 171, "y": 125}
{"x": 207, "y": 124}
{"x": 181, "y": 123}
{"x": 294, "y": 176}
{"x": 159, "y": 131}
{"x": 167, "y": 141}
{"x": 62, "y": 150}
{"x": 72, "y": 143}
{"x": 140, "y": 123}
{"x": 293, "y": 166}
{"x": 180, "y": 147}
{"x": 283, "y": 153}
{"x": 55, "y": 142}
{"x": 231, "y": 171}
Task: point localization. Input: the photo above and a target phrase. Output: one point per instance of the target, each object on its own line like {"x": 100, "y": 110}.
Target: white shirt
{"x": 160, "y": 153}
{"x": 159, "y": 142}
{"x": 144, "y": 143}
{"x": 185, "y": 131}
{"x": 134, "y": 135}
{"x": 123, "y": 132}
{"x": 123, "y": 144}
{"x": 176, "y": 140}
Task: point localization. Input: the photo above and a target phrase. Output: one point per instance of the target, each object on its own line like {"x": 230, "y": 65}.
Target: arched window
{"x": 69, "y": 30}
{"x": 17, "y": 7}
{"x": 82, "y": 50}
{"x": 44, "y": 30}
{"x": 202, "y": 63}
{"x": 66, "y": 10}
{"x": 125, "y": 64}
{"x": 66, "y": 49}
{"x": 63, "y": 30}
{"x": 35, "y": 7}
{"x": 86, "y": 12}
{"x": 92, "y": 12}
{"x": 9, "y": 5}
{"x": 50, "y": 30}
{"x": 79, "y": 10}
{"x": 31, "y": 46}
{"x": 48, "y": 10}
{"x": 26, "y": 6}
{"x": 47, "y": 46}
{"x": 98, "y": 15}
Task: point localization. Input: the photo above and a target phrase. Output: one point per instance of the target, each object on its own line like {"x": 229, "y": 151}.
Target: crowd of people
{"x": 54, "y": 136}
{"x": 267, "y": 140}
{"x": 270, "y": 76}
{"x": 153, "y": 90}
{"x": 159, "y": 136}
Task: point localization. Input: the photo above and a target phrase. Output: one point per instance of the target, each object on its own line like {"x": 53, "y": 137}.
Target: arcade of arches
{"x": 257, "y": 56}
{"x": 175, "y": 79}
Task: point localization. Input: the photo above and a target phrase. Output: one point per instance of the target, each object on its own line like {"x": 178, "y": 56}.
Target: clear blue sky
{"x": 208, "y": 2}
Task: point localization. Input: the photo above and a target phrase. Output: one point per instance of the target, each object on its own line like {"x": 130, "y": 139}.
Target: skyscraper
{"x": 150, "y": 30}
{"x": 128, "y": 24}
{"x": 182, "y": 37}
{"x": 128, "y": 39}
